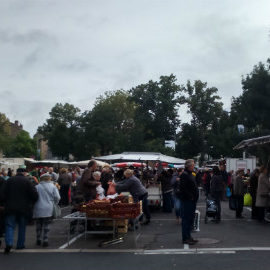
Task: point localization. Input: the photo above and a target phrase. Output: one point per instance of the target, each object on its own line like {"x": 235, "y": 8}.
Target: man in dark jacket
{"x": 189, "y": 195}
{"x": 253, "y": 192}
{"x": 216, "y": 190}
{"x": 2, "y": 217}
{"x": 139, "y": 193}
{"x": 106, "y": 177}
{"x": 87, "y": 185}
{"x": 19, "y": 197}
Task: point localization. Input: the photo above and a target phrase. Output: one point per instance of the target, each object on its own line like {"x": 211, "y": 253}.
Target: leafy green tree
{"x": 4, "y": 132}
{"x": 157, "y": 106}
{"x": 61, "y": 129}
{"x": 205, "y": 109}
{"x": 21, "y": 146}
{"x": 252, "y": 107}
{"x": 109, "y": 126}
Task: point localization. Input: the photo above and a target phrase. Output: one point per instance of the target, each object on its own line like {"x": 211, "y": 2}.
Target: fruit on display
{"x": 116, "y": 208}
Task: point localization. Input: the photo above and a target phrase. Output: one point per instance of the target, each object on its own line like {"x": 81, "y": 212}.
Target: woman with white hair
{"x": 99, "y": 188}
{"x": 47, "y": 195}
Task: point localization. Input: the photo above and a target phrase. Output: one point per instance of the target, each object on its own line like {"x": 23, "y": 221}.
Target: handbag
{"x": 228, "y": 192}
{"x": 56, "y": 211}
{"x": 247, "y": 200}
{"x": 56, "y": 208}
{"x": 111, "y": 190}
{"x": 232, "y": 203}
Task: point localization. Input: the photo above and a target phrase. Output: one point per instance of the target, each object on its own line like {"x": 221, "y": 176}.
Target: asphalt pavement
{"x": 231, "y": 244}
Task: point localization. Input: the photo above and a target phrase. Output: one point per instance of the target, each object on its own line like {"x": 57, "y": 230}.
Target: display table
{"x": 81, "y": 217}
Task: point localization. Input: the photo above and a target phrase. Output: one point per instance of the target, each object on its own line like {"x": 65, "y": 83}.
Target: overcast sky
{"x": 73, "y": 51}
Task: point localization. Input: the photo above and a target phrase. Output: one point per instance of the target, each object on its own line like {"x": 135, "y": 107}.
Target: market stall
{"x": 108, "y": 216}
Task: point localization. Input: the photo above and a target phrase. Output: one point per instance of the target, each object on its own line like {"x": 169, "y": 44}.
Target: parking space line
{"x": 71, "y": 241}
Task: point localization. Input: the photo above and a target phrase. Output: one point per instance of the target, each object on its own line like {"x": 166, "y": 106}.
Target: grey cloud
{"x": 33, "y": 36}
{"x": 75, "y": 66}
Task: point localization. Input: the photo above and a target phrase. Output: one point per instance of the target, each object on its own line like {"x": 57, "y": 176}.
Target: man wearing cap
{"x": 132, "y": 184}
{"x": 19, "y": 197}
{"x": 238, "y": 192}
{"x": 189, "y": 195}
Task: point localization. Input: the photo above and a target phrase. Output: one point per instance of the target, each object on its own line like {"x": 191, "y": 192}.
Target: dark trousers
{"x": 64, "y": 195}
{"x": 239, "y": 205}
{"x": 260, "y": 213}
{"x": 145, "y": 208}
{"x": 218, "y": 209}
{"x": 254, "y": 213}
{"x": 188, "y": 212}
{"x": 167, "y": 202}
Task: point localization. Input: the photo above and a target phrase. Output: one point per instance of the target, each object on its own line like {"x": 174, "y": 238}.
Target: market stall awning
{"x": 85, "y": 162}
{"x": 49, "y": 161}
{"x": 141, "y": 156}
{"x": 128, "y": 164}
{"x": 253, "y": 142}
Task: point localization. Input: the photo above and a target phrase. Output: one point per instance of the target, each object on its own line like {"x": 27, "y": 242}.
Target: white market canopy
{"x": 85, "y": 162}
{"x": 253, "y": 142}
{"x": 46, "y": 161}
{"x": 141, "y": 156}
{"x": 52, "y": 161}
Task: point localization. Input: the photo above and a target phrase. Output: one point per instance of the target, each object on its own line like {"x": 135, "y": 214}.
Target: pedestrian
{"x": 253, "y": 192}
{"x": 87, "y": 185}
{"x": 225, "y": 177}
{"x": 19, "y": 198}
{"x": 239, "y": 191}
{"x": 53, "y": 174}
{"x": 176, "y": 194}
{"x": 43, "y": 209}
{"x": 139, "y": 193}
{"x": 189, "y": 195}
{"x": 206, "y": 180}
{"x": 216, "y": 190}
{"x": 106, "y": 177}
{"x": 2, "y": 216}
{"x": 100, "y": 190}
{"x": 64, "y": 181}
{"x": 263, "y": 192}
{"x": 165, "y": 179}
{"x": 9, "y": 172}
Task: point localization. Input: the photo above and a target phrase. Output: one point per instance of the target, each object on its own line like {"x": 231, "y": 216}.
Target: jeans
{"x": 10, "y": 222}
{"x": 188, "y": 212}
{"x": 177, "y": 207}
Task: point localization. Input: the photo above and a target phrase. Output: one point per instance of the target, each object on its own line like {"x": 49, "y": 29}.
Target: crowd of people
{"x": 33, "y": 195}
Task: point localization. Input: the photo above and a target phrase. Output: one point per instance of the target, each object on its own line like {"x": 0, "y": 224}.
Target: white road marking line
{"x": 148, "y": 252}
{"x": 186, "y": 246}
{"x": 137, "y": 237}
{"x": 170, "y": 219}
{"x": 71, "y": 241}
